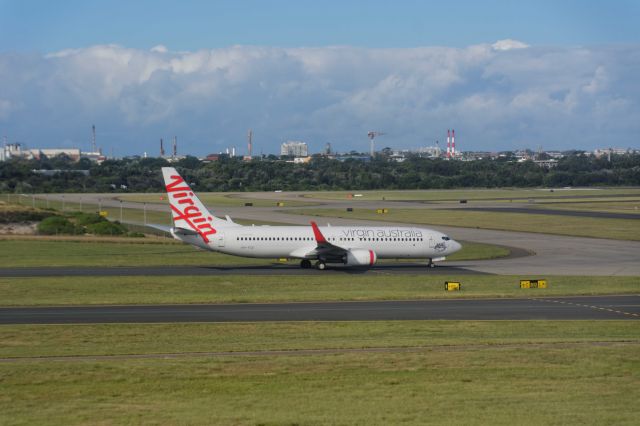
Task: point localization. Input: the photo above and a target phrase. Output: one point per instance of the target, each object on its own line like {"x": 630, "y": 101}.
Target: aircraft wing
{"x": 324, "y": 248}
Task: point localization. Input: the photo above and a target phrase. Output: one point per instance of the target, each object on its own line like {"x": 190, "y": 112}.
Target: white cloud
{"x": 493, "y": 94}
{"x": 509, "y": 44}
{"x": 159, "y": 49}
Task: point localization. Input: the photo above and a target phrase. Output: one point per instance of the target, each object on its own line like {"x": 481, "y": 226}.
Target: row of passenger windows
{"x": 274, "y": 239}
{"x": 330, "y": 239}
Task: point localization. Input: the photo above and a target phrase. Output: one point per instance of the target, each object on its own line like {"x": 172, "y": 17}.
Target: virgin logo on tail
{"x": 184, "y": 207}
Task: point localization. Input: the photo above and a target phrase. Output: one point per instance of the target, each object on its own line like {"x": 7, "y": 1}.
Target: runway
{"x": 70, "y": 271}
{"x": 553, "y": 254}
{"x": 558, "y": 308}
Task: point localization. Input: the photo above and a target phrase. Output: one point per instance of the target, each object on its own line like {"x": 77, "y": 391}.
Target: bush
{"x": 17, "y": 215}
{"x": 55, "y": 225}
{"x": 85, "y": 219}
{"x": 106, "y": 228}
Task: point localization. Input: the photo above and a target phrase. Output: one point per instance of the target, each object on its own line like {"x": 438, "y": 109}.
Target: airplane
{"x": 353, "y": 246}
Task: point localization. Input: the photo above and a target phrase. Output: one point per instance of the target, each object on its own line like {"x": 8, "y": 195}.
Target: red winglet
{"x": 316, "y": 232}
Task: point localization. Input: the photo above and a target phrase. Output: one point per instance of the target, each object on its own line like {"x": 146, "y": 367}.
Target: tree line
{"x": 233, "y": 174}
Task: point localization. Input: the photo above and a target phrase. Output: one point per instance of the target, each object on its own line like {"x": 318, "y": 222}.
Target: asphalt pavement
{"x": 558, "y": 308}
{"x": 118, "y": 271}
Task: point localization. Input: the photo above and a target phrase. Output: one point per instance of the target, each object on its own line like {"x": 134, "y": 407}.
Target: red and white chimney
{"x": 453, "y": 143}
{"x": 448, "y": 143}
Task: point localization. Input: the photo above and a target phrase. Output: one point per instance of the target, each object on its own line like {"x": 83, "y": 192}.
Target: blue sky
{"x": 45, "y": 26}
{"x": 207, "y": 71}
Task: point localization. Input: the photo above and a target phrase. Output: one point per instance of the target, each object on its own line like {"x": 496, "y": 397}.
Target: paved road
{"x": 570, "y": 308}
{"x": 70, "y": 271}
{"x": 554, "y": 254}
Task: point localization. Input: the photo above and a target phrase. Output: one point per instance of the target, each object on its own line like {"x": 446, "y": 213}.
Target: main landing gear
{"x": 430, "y": 264}
{"x": 306, "y": 264}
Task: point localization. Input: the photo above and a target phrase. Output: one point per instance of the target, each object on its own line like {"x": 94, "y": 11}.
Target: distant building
{"x": 96, "y": 157}
{"x": 72, "y": 153}
{"x": 430, "y": 151}
{"x": 609, "y": 151}
{"x": 547, "y": 164}
{"x": 301, "y": 160}
{"x": 15, "y": 150}
{"x": 294, "y": 149}
{"x": 212, "y": 157}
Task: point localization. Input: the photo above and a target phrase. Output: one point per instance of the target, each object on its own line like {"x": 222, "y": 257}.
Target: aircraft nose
{"x": 454, "y": 246}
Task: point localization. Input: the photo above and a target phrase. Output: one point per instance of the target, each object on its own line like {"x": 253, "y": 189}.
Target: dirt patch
{"x": 25, "y": 228}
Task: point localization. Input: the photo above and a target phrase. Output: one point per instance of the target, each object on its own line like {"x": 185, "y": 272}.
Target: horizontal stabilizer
{"x": 163, "y": 228}
{"x": 184, "y": 231}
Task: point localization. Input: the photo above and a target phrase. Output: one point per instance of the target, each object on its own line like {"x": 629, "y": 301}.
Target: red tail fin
{"x": 316, "y": 233}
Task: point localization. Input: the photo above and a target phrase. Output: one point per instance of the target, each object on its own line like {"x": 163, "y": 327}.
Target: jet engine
{"x": 361, "y": 257}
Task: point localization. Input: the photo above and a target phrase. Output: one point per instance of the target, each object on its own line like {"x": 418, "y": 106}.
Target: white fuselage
{"x": 297, "y": 241}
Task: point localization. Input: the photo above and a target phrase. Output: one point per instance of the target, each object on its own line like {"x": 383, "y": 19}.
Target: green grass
{"x": 274, "y": 288}
{"x": 122, "y": 339}
{"x": 504, "y": 194}
{"x": 607, "y": 206}
{"x": 536, "y": 382}
{"x": 622, "y": 229}
{"x": 129, "y": 215}
{"x": 140, "y": 252}
{"x": 479, "y": 251}
{"x": 219, "y": 199}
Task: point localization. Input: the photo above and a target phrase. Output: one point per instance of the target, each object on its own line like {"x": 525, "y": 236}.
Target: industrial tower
{"x": 372, "y": 136}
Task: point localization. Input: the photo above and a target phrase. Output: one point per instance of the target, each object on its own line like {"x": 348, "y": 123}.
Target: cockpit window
{"x": 444, "y": 237}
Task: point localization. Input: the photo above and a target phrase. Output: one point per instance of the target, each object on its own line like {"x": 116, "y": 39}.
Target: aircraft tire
{"x": 305, "y": 264}
{"x": 321, "y": 265}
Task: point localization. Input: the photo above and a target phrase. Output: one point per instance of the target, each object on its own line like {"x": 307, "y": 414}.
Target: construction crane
{"x": 372, "y": 136}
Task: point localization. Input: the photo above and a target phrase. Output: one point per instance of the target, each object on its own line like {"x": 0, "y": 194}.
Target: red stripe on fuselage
{"x": 372, "y": 257}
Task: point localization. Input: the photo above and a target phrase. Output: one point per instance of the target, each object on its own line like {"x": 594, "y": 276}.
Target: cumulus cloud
{"x": 159, "y": 49}
{"x": 505, "y": 95}
{"x": 509, "y": 44}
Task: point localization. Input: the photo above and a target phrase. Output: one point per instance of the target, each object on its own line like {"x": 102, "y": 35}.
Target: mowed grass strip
{"x": 626, "y": 207}
{"x": 17, "y": 341}
{"x": 620, "y": 229}
{"x": 286, "y": 288}
{"x": 498, "y": 386}
{"x": 218, "y": 199}
{"x": 504, "y": 194}
{"x": 112, "y": 252}
{"x": 47, "y": 251}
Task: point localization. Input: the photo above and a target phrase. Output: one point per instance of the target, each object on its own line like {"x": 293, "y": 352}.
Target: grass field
{"x": 275, "y": 288}
{"x": 505, "y": 194}
{"x": 519, "y": 373}
{"x": 607, "y": 206}
{"x": 622, "y": 229}
{"x": 219, "y": 199}
{"x": 31, "y": 341}
{"x": 126, "y": 215}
